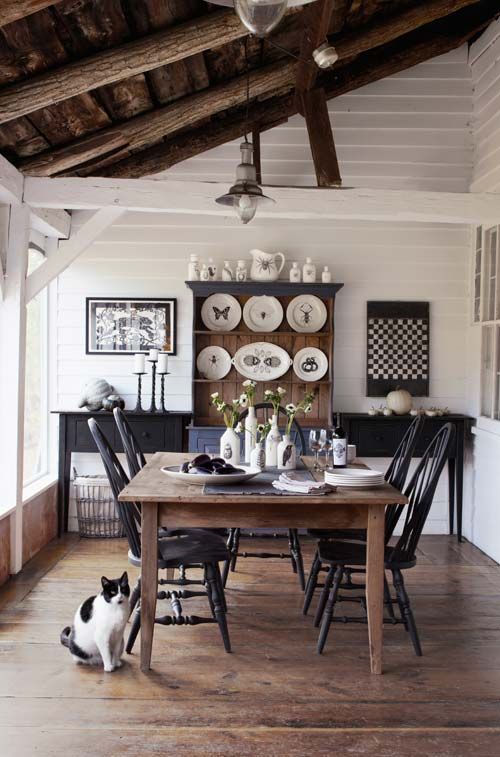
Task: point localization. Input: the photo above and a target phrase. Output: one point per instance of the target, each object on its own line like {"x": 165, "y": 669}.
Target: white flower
{"x": 236, "y": 402}
{"x": 260, "y": 428}
{"x": 307, "y": 408}
{"x": 249, "y": 382}
{"x": 238, "y": 428}
{"x": 243, "y": 400}
{"x": 267, "y": 393}
{"x": 281, "y": 390}
{"x": 290, "y": 408}
{"x": 214, "y": 395}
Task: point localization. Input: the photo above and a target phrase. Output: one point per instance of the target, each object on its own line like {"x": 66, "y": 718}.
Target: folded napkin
{"x": 293, "y": 482}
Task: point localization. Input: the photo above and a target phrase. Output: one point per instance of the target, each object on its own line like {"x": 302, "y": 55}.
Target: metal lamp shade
{"x": 246, "y": 194}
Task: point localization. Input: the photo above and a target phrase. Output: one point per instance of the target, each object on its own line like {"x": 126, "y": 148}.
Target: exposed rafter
{"x": 13, "y": 10}
{"x": 316, "y": 25}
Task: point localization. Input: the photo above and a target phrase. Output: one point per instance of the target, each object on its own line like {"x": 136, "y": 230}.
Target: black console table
{"x": 379, "y": 436}
{"x": 155, "y": 432}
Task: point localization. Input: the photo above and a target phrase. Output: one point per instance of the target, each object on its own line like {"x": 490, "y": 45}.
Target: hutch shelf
{"x": 204, "y": 415}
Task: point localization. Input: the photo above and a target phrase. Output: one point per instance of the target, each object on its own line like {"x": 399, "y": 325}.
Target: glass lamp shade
{"x": 261, "y": 16}
{"x": 246, "y": 194}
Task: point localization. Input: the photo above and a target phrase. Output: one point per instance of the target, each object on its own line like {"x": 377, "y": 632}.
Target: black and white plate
{"x": 306, "y": 313}
{"x": 262, "y": 361}
{"x": 310, "y": 364}
{"x": 221, "y": 312}
{"x": 213, "y": 363}
{"x": 263, "y": 313}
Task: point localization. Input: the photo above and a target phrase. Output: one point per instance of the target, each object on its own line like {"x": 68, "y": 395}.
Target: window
{"x": 486, "y": 310}
{"x": 36, "y": 384}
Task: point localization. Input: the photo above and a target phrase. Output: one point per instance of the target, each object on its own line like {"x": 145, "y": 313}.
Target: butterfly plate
{"x": 221, "y": 312}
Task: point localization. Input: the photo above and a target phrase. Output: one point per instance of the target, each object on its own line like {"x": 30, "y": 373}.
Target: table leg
{"x": 451, "y": 492}
{"x": 375, "y": 584}
{"x": 149, "y": 579}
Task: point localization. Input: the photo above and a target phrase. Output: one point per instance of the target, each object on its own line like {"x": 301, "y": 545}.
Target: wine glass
{"x": 315, "y": 445}
{"x": 326, "y": 442}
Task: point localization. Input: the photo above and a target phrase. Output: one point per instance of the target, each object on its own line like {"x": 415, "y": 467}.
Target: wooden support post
{"x": 321, "y": 138}
{"x": 256, "y": 154}
{"x": 12, "y": 376}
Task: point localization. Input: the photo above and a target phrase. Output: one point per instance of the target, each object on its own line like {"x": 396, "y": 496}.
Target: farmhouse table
{"x": 165, "y": 502}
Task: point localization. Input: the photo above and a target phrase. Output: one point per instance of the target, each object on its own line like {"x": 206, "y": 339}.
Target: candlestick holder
{"x": 162, "y": 392}
{"x": 152, "y": 408}
{"x": 138, "y": 404}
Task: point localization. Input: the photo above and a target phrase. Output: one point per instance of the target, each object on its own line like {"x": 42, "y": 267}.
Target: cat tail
{"x": 65, "y": 634}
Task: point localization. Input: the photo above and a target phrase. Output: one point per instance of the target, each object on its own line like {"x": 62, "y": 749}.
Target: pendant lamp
{"x": 260, "y": 16}
{"x": 246, "y": 194}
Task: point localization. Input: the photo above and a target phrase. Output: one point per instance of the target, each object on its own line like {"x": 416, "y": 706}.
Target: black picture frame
{"x": 397, "y": 347}
{"x": 132, "y": 339}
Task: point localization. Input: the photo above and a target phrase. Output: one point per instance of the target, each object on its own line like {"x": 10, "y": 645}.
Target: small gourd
{"x": 399, "y": 401}
{"x": 113, "y": 400}
{"x": 94, "y": 393}
{"x": 387, "y": 411}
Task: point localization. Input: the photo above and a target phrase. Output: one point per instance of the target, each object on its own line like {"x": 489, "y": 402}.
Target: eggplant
{"x": 184, "y": 468}
{"x": 200, "y": 470}
{"x": 227, "y": 469}
{"x": 200, "y": 460}
{"x": 218, "y": 460}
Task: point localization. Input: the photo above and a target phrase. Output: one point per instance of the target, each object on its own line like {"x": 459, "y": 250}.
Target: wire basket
{"x": 96, "y": 510}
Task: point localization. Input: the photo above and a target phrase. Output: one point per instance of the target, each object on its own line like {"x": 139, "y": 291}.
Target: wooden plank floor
{"x": 273, "y": 695}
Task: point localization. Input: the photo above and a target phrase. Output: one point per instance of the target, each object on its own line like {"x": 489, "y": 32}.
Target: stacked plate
{"x": 354, "y": 478}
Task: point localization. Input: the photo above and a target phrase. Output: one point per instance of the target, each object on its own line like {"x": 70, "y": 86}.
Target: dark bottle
{"x": 339, "y": 445}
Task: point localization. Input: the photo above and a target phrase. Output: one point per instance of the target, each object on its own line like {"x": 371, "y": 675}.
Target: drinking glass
{"x": 326, "y": 442}
{"x": 315, "y": 445}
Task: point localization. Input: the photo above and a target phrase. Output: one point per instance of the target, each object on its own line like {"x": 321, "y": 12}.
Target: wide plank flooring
{"x": 273, "y": 695}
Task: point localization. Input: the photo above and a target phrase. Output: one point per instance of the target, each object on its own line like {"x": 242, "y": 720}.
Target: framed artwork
{"x": 397, "y": 348}
{"x": 128, "y": 325}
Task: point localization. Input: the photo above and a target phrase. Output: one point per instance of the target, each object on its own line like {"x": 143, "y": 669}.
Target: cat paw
{"x": 108, "y": 668}
{"x": 118, "y": 664}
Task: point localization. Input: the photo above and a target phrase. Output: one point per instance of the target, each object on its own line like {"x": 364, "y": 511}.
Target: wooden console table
{"x": 155, "y": 432}
{"x": 379, "y": 436}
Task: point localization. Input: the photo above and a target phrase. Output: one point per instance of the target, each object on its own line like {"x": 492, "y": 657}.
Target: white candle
{"x": 153, "y": 355}
{"x": 139, "y": 363}
{"x": 162, "y": 366}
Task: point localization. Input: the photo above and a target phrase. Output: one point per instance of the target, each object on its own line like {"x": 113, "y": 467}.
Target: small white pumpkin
{"x": 387, "y": 411}
{"x": 399, "y": 401}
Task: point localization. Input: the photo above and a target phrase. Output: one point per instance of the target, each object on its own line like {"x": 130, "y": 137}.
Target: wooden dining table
{"x": 173, "y": 504}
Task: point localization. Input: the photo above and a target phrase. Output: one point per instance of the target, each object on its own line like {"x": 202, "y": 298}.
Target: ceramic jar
{"x": 250, "y": 432}
{"x": 212, "y": 269}
{"x": 295, "y": 273}
{"x": 194, "y": 267}
{"x": 309, "y": 272}
{"x": 258, "y": 457}
{"x": 326, "y": 275}
{"x": 241, "y": 271}
{"x": 230, "y": 446}
{"x": 265, "y": 266}
{"x": 227, "y": 273}
{"x": 272, "y": 441}
{"x": 287, "y": 454}
{"x": 204, "y": 273}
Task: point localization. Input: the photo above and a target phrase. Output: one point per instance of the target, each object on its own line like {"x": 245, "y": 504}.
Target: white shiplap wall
{"x": 483, "y": 500}
{"x": 411, "y": 130}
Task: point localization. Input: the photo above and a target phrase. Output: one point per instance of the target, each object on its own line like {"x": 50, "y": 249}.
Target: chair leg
{"x": 324, "y": 596}
{"x": 312, "y": 582}
{"x": 404, "y": 602}
{"x": 388, "y": 600}
{"x": 136, "y": 624}
{"x": 234, "y": 548}
{"x": 221, "y": 586}
{"x": 296, "y": 552}
{"x": 213, "y": 587}
{"x": 329, "y": 609}
{"x": 227, "y": 564}
{"x": 136, "y": 593}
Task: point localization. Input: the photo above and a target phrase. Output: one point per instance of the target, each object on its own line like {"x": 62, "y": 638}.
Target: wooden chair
{"x": 395, "y": 475}
{"x": 198, "y": 547}
{"x": 340, "y": 555}
{"x": 295, "y": 552}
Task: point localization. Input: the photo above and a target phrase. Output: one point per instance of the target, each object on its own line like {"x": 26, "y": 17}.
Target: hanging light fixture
{"x": 260, "y": 16}
{"x": 246, "y": 194}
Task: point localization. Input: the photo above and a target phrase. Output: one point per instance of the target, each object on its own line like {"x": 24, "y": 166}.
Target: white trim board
{"x": 195, "y": 198}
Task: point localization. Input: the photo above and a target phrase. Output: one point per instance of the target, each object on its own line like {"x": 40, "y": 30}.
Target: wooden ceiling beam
{"x": 13, "y": 10}
{"x": 317, "y": 17}
{"x": 370, "y": 67}
{"x": 151, "y": 127}
{"x": 108, "y": 66}
{"x": 320, "y": 134}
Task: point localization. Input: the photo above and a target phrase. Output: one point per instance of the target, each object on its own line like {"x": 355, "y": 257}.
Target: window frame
{"x": 489, "y": 305}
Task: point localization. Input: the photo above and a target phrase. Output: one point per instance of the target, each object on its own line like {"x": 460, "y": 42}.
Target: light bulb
{"x": 247, "y": 207}
{"x": 260, "y": 16}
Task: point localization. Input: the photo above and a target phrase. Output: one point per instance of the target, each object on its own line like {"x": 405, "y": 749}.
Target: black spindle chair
{"x": 341, "y": 554}
{"x": 395, "y": 475}
{"x": 295, "y": 552}
{"x": 178, "y": 548}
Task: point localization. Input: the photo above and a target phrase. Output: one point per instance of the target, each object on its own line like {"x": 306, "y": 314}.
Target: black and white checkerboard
{"x": 398, "y": 349}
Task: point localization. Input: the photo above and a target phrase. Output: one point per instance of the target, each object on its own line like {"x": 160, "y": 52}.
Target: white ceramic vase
{"x": 230, "y": 446}
{"x": 272, "y": 441}
{"x": 250, "y": 432}
{"x": 258, "y": 457}
{"x": 287, "y": 454}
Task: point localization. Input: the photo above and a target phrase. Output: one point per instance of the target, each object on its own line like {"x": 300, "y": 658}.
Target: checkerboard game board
{"x": 397, "y": 351}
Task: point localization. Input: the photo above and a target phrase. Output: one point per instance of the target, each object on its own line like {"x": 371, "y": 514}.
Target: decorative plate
{"x": 173, "y": 471}
{"x": 306, "y": 313}
{"x": 263, "y": 313}
{"x": 310, "y": 364}
{"x": 262, "y": 361}
{"x": 213, "y": 363}
{"x": 221, "y": 312}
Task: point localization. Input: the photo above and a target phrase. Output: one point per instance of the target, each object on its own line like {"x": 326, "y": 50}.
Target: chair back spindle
{"x": 398, "y": 470}
{"x": 133, "y": 452}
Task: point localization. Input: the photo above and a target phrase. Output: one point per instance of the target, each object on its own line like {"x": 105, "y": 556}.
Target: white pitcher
{"x": 265, "y": 266}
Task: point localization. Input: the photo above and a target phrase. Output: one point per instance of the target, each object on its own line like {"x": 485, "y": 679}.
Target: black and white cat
{"x": 96, "y": 635}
